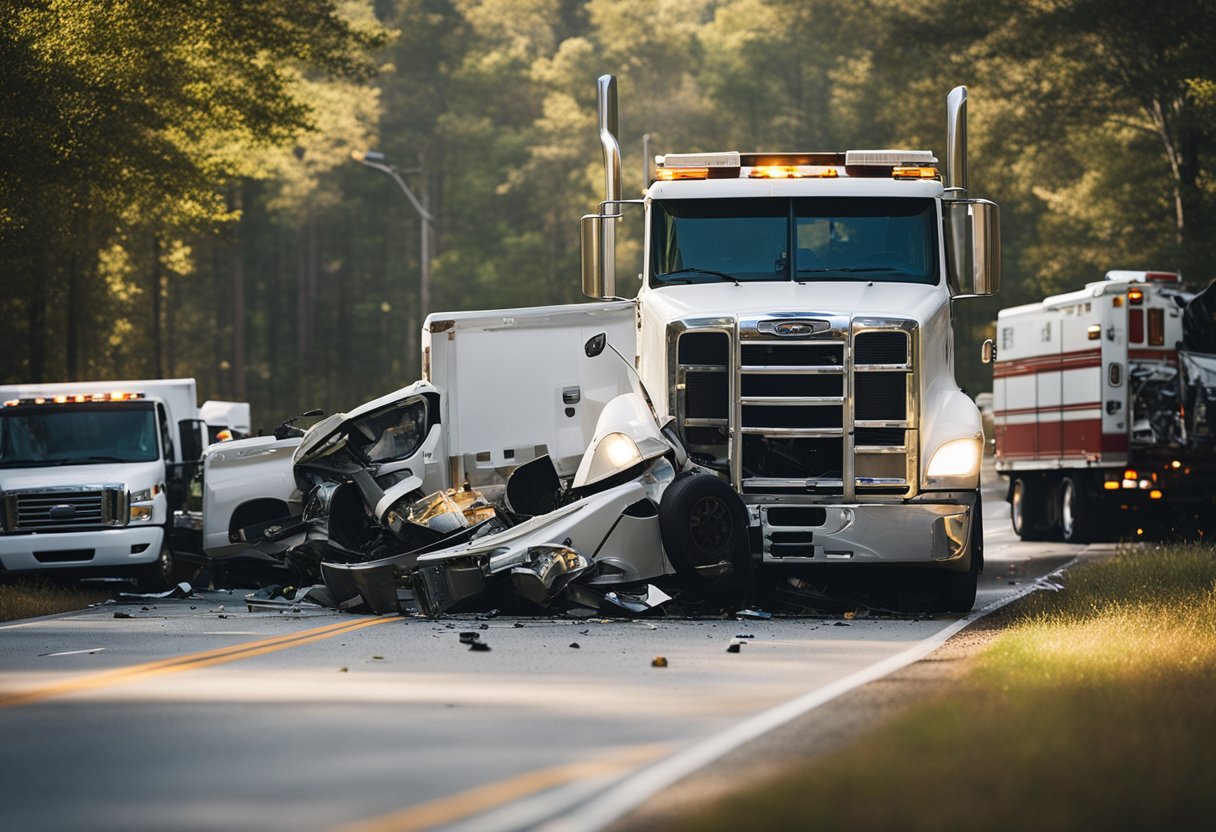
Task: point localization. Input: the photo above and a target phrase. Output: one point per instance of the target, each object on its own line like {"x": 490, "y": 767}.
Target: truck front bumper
{"x": 96, "y": 549}
{"x": 934, "y": 529}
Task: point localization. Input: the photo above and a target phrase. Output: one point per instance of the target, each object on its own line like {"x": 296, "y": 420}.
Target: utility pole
{"x": 379, "y": 161}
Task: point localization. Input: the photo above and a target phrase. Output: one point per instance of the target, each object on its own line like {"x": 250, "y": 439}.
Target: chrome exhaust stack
{"x": 956, "y": 143}
{"x": 608, "y": 126}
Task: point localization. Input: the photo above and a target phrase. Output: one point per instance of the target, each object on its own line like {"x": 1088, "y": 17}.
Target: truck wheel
{"x": 158, "y": 575}
{"x": 1076, "y": 512}
{"x": 703, "y": 524}
{"x": 956, "y": 590}
{"x": 1026, "y": 509}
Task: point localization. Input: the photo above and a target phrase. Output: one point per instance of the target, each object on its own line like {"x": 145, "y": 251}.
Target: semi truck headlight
{"x": 143, "y": 496}
{"x": 958, "y": 459}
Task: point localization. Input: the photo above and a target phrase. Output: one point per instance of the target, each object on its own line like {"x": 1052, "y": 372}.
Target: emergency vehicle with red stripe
{"x": 1100, "y": 407}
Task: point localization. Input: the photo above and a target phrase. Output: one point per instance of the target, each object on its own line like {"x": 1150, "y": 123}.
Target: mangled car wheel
{"x": 703, "y": 524}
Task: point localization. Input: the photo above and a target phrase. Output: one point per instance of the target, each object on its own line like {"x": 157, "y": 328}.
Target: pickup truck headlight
{"x": 955, "y": 463}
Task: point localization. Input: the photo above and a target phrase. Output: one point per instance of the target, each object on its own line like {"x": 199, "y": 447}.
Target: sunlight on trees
{"x": 177, "y": 196}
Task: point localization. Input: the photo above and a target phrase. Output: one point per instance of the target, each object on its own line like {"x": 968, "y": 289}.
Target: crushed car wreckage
{"x": 635, "y": 513}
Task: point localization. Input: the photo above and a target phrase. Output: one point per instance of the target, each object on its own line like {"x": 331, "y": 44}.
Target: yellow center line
{"x": 190, "y": 661}
{"x": 465, "y": 804}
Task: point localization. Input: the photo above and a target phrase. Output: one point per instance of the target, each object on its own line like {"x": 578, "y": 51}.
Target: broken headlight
{"x": 437, "y": 512}
{"x": 548, "y": 570}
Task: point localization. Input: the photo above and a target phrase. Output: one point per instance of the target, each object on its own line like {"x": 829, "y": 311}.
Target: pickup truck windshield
{"x": 35, "y": 436}
{"x": 838, "y": 238}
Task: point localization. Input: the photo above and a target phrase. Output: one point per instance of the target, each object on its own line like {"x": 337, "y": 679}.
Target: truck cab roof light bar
{"x": 1143, "y": 277}
{"x": 889, "y": 158}
{"x": 898, "y": 164}
{"x": 118, "y": 396}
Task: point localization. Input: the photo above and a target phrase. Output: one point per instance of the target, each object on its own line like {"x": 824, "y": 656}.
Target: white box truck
{"x": 91, "y": 474}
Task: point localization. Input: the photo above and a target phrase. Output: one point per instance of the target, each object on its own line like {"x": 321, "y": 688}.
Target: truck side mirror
{"x": 595, "y": 344}
{"x": 973, "y": 247}
{"x": 988, "y": 351}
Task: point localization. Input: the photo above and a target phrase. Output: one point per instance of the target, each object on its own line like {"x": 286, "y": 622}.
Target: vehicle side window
{"x": 392, "y": 433}
{"x": 166, "y": 438}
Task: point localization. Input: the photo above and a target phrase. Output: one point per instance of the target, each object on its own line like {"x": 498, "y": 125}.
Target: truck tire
{"x": 956, "y": 590}
{"x": 1027, "y": 508}
{"x": 1077, "y": 512}
{"x": 703, "y": 525}
{"x": 160, "y": 574}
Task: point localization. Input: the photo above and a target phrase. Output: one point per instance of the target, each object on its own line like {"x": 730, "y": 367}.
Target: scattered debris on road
{"x": 182, "y": 590}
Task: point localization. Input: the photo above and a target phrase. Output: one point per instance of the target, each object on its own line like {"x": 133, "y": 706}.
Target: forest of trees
{"x": 178, "y": 197}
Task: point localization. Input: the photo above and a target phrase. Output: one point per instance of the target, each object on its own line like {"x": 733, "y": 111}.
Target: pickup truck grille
{"x": 827, "y": 413}
{"x": 65, "y": 509}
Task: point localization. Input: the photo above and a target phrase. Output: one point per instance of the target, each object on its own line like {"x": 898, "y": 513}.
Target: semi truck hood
{"x": 134, "y": 475}
{"x": 917, "y": 302}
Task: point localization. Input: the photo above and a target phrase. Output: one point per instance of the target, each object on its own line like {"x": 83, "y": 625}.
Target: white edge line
{"x": 638, "y": 787}
{"x": 71, "y": 652}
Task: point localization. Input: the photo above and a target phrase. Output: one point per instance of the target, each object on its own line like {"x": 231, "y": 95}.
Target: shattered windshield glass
{"x": 44, "y": 435}
{"x": 837, "y": 238}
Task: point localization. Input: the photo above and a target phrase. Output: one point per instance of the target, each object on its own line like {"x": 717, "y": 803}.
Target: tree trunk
{"x": 72, "y": 341}
{"x": 37, "y": 319}
{"x": 219, "y": 346}
{"x": 170, "y": 358}
{"x": 238, "y": 311}
{"x": 158, "y": 360}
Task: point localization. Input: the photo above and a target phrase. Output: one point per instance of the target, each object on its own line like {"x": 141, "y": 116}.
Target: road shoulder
{"x": 820, "y": 732}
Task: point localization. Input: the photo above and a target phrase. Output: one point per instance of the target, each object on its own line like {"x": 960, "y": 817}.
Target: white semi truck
{"x": 788, "y": 351}
{"x": 92, "y": 472}
{"x": 1101, "y": 401}
{"x": 794, "y": 317}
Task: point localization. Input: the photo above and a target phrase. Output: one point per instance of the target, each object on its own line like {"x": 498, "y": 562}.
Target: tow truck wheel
{"x": 703, "y": 524}
{"x": 1076, "y": 513}
{"x": 1026, "y": 506}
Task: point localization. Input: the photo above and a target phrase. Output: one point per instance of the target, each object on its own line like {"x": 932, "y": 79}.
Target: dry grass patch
{"x": 29, "y": 598}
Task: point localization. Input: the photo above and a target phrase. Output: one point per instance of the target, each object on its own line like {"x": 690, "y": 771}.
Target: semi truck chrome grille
{"x": 826, "y": 413}
{"x": 792, "y": 411}
{"x": 880, "y": 348}
{"x": 884, "y": 435}
{"x": 880, "y": 396}
{"x": 711, "y": 349}
{"x": 65, "y": 509}
{"x": 708, "y": 395}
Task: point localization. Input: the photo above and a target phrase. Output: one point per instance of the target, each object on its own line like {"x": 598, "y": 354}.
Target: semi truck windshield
{"x": 33, "y": 436}
{"x": 839, "y": 238}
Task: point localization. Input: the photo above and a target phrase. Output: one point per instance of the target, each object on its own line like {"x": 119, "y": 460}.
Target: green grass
{"x": 1096, "y": 708}
{"x": 30, "y": 597}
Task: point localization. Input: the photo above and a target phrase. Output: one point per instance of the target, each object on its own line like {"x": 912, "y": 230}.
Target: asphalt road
{"x": 199, "y": 715}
